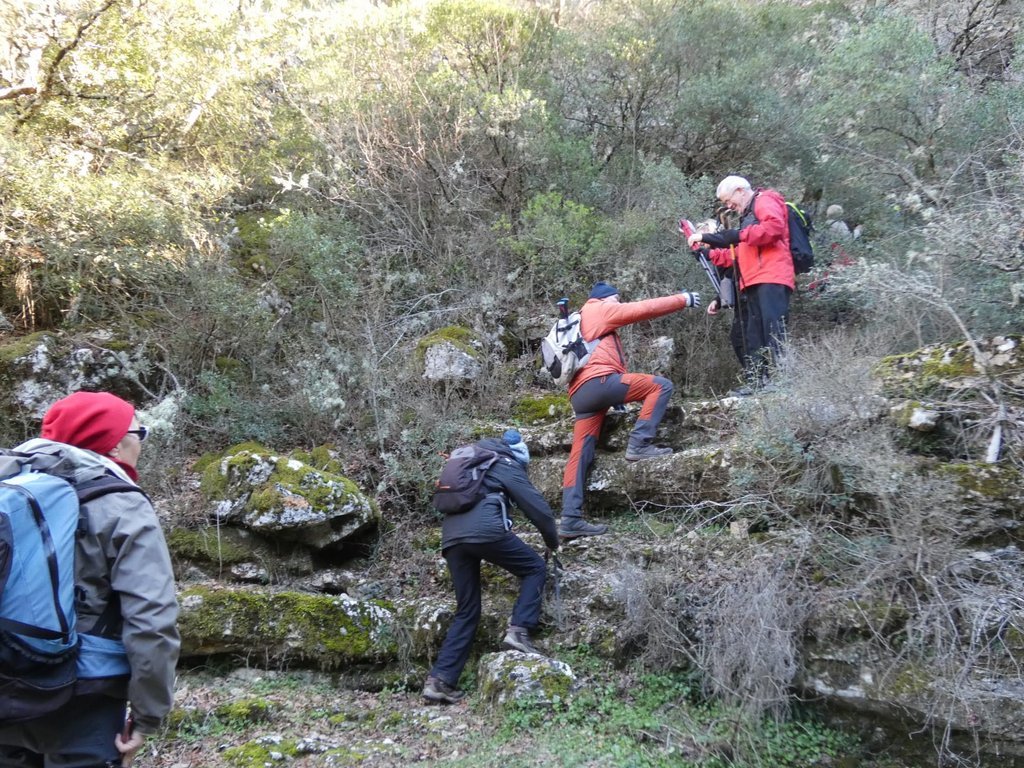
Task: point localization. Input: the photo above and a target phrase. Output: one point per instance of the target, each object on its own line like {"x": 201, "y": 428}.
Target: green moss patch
{"x": 20, "y": 347}
{"x": 205, "y": 545}
{"x": 989, "y": 481}
{"x": 262, "y": 752}
{"x": 245, "y": 711}
{"x": 536, "y": 409}
{"x": 458, "y": 336}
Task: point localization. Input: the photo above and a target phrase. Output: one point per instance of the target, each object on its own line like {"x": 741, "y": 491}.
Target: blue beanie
{"x": 514, "y": 441}
{"x": 602, "y": 290}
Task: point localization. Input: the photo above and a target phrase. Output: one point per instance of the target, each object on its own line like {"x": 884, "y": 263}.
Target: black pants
{"x": 738, "y": 333}
{"x": 464, "y": 561}
{"x": 78, "y": 735}
{"x": 767, "y": 308}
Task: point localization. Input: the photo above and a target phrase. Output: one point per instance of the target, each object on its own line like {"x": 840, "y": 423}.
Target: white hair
{"x": 730, "y": 184}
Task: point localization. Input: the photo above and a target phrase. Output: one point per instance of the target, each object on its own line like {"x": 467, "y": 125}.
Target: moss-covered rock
{"x": 451, "y": 354}
{"x": 235, "y": 554}
{"x": 944, "y": 368}
{"x": 208, "y": 545}
{"x": 325, "y": 632}
{"x": 683, "y": 478}
{"x": 538, "y": 409}
{"x": 286, "y": 498}
{"x": 523, "y": 678}
{"x": 42, "y": 367}
{"x": 462, "y": 338}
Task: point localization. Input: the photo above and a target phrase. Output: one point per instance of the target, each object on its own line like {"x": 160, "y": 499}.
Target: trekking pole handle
{"x": 563, "y": 307}
{"x": 686, "y": 228}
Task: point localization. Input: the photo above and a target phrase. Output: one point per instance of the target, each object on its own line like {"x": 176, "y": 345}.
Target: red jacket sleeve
{"x": 603, "y": 317}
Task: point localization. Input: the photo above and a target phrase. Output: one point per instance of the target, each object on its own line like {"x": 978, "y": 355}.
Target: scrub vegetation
{"x": 283, "y": 204}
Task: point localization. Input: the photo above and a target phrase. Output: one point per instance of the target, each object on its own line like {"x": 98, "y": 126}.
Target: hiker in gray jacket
{"x": 485, "y": 533}
{"x": 126, "y": 606}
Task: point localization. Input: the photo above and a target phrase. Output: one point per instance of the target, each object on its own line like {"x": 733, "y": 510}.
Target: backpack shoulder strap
{"x": 108, "y": 623}
{"x": 799, "y": 212}
{"x": 101, "y": 486}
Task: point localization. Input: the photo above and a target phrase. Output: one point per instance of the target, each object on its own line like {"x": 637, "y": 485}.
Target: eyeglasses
{"x": 142, "y": 432}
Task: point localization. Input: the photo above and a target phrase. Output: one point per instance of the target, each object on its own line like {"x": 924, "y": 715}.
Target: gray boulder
{"x": 513, "y": 677}
{"x": 281, "y": 497}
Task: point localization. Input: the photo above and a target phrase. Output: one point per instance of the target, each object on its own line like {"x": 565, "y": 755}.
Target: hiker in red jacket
{"x": 602, "y": 383}
{"x": 759, "y": 252}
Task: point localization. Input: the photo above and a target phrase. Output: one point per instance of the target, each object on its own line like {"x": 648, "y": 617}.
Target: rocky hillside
{"x": 843, "y": 554}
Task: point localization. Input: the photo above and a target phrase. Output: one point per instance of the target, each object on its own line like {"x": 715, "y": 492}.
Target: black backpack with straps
{"x": 461, "y": 484}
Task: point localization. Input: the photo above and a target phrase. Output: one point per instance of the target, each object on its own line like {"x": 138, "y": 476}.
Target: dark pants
{"x": 590, "y": 403}
{"x": 738, "y": 332}
{"x": 767, "y": 311}
{"x": 464, "y": 561}
{"x": 78, "y": 735}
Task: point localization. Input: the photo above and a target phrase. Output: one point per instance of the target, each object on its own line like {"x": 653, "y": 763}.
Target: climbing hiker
{"x": 759, "y": 251}
{"x": 484, "y": 532}
{"x": 603, "y": 383}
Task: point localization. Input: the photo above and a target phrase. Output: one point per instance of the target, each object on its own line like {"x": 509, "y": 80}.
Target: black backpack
{"x": 800, "y": 228}
{"x": 461, "y": 484}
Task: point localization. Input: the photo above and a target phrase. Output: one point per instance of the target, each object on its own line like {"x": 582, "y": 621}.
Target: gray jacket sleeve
{"x": 141, "y": 575}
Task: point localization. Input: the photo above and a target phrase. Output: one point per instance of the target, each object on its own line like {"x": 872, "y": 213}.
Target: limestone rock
{"x": 327, "y": 632}
{"x": 451, "y": 354}
{"x": 446, "y": 362}
{"x": 43, "y": 367}
{"x": 282, "y": 497}
{"x": 517, "y": 677}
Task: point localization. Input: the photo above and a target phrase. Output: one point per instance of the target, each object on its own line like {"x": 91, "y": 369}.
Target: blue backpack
{"x": 39, "y": 522}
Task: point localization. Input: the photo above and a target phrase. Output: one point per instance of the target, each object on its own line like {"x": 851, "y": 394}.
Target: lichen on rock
{"x": 284, "y": 497}
{"x": 513, "y": 676}
{"x": 329, "y": 632}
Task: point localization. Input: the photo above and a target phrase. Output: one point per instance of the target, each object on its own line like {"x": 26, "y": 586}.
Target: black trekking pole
{"x": 686, "y": 228}
{"x": 556, "y": 583}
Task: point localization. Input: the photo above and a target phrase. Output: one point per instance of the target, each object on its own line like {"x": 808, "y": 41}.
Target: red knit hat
{"x": 96, "y": 421}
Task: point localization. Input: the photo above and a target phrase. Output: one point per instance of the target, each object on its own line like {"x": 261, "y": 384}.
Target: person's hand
{"x": 714, "y": 306}
{"x": 692, "y": 299}
{"x": 128, "y": 747}
{"x": 695, "y": 238}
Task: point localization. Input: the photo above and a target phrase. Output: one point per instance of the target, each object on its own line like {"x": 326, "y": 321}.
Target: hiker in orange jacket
{"x": 602, "y": 383}
{"x": 759, "y": 251}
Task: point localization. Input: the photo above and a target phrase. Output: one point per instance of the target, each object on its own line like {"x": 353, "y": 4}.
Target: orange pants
{"x": 590, "y": 404}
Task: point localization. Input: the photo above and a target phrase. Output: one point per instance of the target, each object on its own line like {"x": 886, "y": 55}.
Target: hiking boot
{"x": 518, "y": 639}
{"x": 646, "y": 452}
{"x": 437, "y": 690}
{"x": 575, "y": 527}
